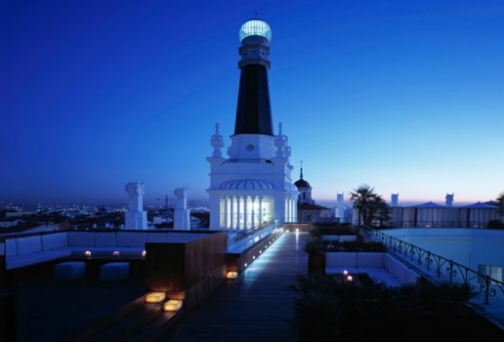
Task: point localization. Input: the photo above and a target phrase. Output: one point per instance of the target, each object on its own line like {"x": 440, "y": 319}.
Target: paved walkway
{"x": 258, "y": 306}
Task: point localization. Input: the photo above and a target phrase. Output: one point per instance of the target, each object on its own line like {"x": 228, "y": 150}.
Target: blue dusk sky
{"x": 406, "y": 96}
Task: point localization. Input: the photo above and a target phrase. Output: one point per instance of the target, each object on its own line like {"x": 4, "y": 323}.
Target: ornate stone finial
{"x": 217, "y": 142}
{"x": 301, "y": 173}
{"x": 280, "y": 142}
{"x": 288, "y": 152}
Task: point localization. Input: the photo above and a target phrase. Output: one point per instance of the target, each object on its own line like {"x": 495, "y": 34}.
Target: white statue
{"x": 449, "y": 199}
{"x": 182, "y": 215}
{"x": 136, "y": 217}
{"x": 136, "y": 191}
{"x": 181, "y": 194}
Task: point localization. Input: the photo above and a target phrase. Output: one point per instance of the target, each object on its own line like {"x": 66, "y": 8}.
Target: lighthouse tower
{"x": 253, "y": 185}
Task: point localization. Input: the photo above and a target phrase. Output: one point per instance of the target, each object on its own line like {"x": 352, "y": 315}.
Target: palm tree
{"x": 382, "y": 211}
{"x": 370, "y": 205}
{"x": 362, "y": 199}
{"x": 500, "y": 200}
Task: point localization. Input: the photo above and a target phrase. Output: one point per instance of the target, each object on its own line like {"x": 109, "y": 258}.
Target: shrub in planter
{"x": 316, "y": 256}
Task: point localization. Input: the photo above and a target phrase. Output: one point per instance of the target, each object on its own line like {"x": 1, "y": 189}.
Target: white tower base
{"x": 182, "y": 219}
{"x": 136, "y": 220}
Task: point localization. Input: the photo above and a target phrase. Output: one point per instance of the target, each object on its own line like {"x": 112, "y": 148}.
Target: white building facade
{"x": 252, "y": 186}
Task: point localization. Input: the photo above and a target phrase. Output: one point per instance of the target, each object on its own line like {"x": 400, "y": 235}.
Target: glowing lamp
{"x": 260, "y": 251}
{"x": 345, "y": 273}
{"x": 116, "y": 253}
{"x": 155, "y": 297}
{"x": 232, "y": 275}
{"x": 144, "y": 254}
{"x": 349, "y": 278}
{"x": 297, "y": 230}
{"x": 172, "y": 305}
{"x": 253, "y": 257}
{"x": 87, "y": 254}
{"x": 245, "y": 265}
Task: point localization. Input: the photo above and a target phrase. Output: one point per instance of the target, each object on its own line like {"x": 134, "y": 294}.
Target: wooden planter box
{"x": 316, "y": 263}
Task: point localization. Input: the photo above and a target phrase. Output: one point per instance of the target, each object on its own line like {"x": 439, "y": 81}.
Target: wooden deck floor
{"x": 258, "y": 306}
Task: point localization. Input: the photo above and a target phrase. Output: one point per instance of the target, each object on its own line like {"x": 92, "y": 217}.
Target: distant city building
{"x": 394, "y": 202}
{"x": 253, "y": 185}
{"x": 340, "y": 208}
{"x": 446, "y": 215}
{"x": 8, "y": 223}
{"x": 20, "y": 213}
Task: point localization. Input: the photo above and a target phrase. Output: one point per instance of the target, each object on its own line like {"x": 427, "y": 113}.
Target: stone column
{"x": 253, "y": 203}
{"x": 226, "y": 210}
{"x": 261, "y": 210}
{"x": 295, "y": 210}
{"x": 232, "y": 213}
{"x": 289, "y": 212}
{"x": 238, "y": 212}
{"x": 245, "y": 212}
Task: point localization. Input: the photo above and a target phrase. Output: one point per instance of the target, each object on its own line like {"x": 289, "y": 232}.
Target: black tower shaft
{"x": 253, "y": 114}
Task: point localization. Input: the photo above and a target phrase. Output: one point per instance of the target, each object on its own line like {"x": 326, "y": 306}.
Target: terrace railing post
{"x": 451, "y": 270}
{"x": 428, "y": 260}
{"x": 487, "y": 289}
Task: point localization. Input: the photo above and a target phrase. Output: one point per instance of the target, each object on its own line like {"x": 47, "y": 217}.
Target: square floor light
{"x": 232, "y": 275}
{"x": 172, "y": 305}
{"x": 155, "y": 297}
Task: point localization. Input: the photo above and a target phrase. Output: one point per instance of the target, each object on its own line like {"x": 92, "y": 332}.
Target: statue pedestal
{"x": 181, "y": 219}
{"x": 136, "y": 220}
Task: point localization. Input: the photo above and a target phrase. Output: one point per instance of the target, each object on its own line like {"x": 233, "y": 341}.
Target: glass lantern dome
{"x": 255, "y": 27}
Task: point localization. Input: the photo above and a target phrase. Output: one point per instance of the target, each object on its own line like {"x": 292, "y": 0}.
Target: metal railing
{"x": 443, "y": 267}
{"x": 437, "y": 224}
{"x": 235, "y": 236}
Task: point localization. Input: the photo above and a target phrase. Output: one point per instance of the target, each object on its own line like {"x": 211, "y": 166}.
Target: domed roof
{"x": 247, "y": 184}
{"x": 301, "y": 183}
{"x": 255, "y": 27}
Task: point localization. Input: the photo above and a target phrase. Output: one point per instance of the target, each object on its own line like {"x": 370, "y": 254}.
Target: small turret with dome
{"x": 305, "y": 189}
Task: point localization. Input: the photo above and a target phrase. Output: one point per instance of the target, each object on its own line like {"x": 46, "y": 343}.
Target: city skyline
{"x": 404, "y": 97}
